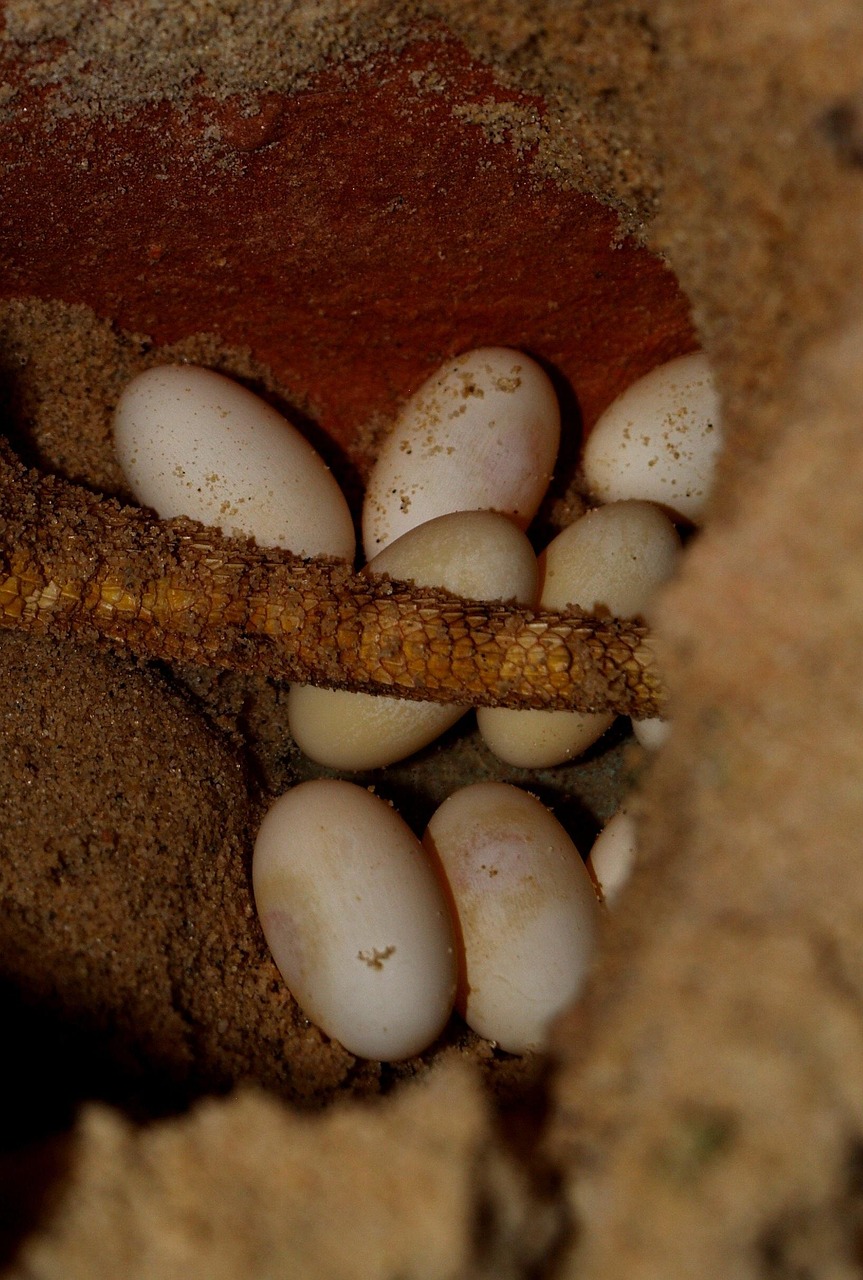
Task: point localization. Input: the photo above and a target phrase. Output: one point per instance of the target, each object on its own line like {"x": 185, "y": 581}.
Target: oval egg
{"x": 612, "y": 857}
{"x": 651, "y": 733}
{"x": 194, "y": 443}
{"x": 480, "y": 434}
{"x": 659, "y": 440}
{"x": 479, "y": 555}
{"x": 526, "y": 911}
{"x": 355, "y": 918}
{"x": 613, "y": 557}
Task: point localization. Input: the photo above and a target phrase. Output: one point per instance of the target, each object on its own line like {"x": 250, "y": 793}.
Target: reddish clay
{"x": 352, "y": 235}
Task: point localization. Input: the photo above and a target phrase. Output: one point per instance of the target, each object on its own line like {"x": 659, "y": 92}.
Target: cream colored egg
{"x": 659, "y": 440}
{"x": 614, "y": 558}
{"x": 194, "y": 443}
{"x": 527, "y": 914}
{"x": 356, "y": 919}
{"x": 355, "y": 731}
{"x": 612, "y": 857}
{"x": 477, "y": 554}
{"x": 651, "y": 733}
{"x": 481, "y": 434}
{"x": 540, "y": 739}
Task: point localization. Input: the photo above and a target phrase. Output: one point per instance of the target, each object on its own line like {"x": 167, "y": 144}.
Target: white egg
{"x": 356, "y": 919}
{"x": 194, "y": 443}
{"x": 651, "y": 733}
{"x": 614, "y": 558}
{"x": 612, "y": 857}
{"x": 526, "y": 911}
{"x": 480, "y": 434}
{"x": 479, "y": 555}
{"x": 659, "y": 440}
{"x": 540, "y": 739}
{"x": 476, "y": 554}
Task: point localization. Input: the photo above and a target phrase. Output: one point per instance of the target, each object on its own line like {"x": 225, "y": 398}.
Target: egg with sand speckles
{"x": 480, "y": 434}
{"x": 356, "y": 919}
{"x": 659, "y": 440}
{"x": 194, "y": 443}
{"x": 526, "y": 911}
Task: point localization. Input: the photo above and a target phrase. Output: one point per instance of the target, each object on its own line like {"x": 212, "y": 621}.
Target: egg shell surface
{"x": 612, "y": 857}
{"x": 614, "y": 557}
{"x": 540, "y": 739}
{"x": 651, "y": 733}
{"x": 355, "y": 918}
{"x": 480, "y": 434}
{"x": 527, "y": 915}
{"x": 480, "y": 555}
{"x": 195, "y": 443}
{"x": 659, "y": 440}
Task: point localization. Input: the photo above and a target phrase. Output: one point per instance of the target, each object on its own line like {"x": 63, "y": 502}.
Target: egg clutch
{"x": 377, "y": 933}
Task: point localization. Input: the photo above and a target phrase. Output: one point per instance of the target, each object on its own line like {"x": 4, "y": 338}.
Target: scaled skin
{"x": 74, "y": 564}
